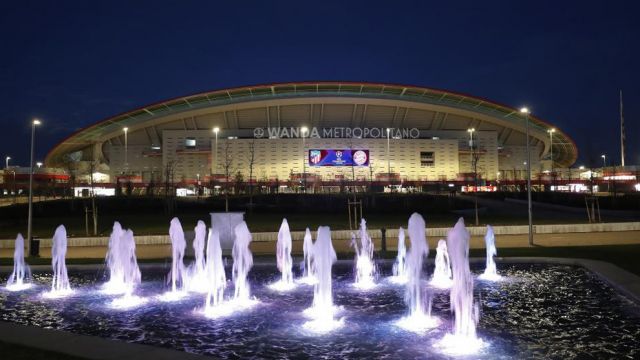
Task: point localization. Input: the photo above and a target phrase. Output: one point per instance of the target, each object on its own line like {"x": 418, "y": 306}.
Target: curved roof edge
{"x": 249, "y": 93}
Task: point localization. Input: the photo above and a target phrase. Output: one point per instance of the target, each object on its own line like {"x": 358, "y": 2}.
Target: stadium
{"x": 316, "y": 135}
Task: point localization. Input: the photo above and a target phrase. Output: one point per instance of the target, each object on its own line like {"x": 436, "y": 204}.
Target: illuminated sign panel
{"x": 333, "y": 157}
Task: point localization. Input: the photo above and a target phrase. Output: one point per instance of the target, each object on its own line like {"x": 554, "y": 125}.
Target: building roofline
{"x": 485, "y": 103}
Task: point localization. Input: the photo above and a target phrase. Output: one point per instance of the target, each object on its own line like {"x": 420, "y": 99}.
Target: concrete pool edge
{"x": 93, "y": 347}
{"x": 85, "y": 346}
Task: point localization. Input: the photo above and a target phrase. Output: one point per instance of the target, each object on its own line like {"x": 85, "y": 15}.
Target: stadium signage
{"x": 338, "y": 157}
{"x": 336, "y": 132}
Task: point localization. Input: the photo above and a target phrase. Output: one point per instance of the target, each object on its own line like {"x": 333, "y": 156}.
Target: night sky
{"x": 75, "y": 63}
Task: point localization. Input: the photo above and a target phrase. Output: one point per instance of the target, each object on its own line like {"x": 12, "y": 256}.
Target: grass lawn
{"x": 155, "y": 224}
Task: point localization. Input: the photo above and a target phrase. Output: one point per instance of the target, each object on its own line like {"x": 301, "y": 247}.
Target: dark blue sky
{"x": 74, "y": 63}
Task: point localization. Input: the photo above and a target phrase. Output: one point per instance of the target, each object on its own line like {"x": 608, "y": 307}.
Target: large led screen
{"x": 331, "y": 157}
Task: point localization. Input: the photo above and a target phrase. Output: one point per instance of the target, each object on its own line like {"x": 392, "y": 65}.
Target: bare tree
{"x": 228, "y": 167}
{"x": 169, "y": 192}
{"x": 475, "y": 157}
{"x": 251, "y": 157}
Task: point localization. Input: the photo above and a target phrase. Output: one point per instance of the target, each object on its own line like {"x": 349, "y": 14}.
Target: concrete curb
{"x": 338, "y": 235}
{"x": 84, "y": 346}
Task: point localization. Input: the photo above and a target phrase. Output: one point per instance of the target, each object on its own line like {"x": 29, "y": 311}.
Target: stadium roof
{"x": 477, "y": 111}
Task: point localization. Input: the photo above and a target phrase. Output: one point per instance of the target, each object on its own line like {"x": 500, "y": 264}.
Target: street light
{"x": 551, "y": 131}
{"x": 388, "y": 159}
{"x": 475, "y": 173}
{"x": 216, "y": 130}
{"x": 471, "y": 131}
{"x": 604, "y": 161}
{"x": 126, "y": 148}
{"x": 525, "y": 112}
{"x": 304, "y": 129}
{"x": 6, "y": 162}
{"x": 39, "y": 164}
{"x": 34, "y": 123}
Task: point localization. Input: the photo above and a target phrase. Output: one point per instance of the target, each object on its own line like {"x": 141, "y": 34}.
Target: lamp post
{"x": 6, "y": 162}
{"x": 475, "y": 173}
{"x": 39, "y": 164}
{"x": 388, "y": 159}
{"x": 551, "y": 131}
{"x": 34, "y": 123}
{"x": 525, "y": 112}
{"x": 126, "y": 149}
{"x": 304, "y": 129}
{"x": 215, "y": 130}
{"x": 604, "y": 165}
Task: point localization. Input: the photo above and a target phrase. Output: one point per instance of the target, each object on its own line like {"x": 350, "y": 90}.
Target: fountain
{"x": 322, "y": 311}
{"x": 463, "y": 340}
{"x": 284, "y": 261}
{"x": 196, "y": 277}
{"x": 442, "y": 273}
{"x": 242, "y": 263}
{"x": 122, "y": 264}
{"x": 365, "y": 268}
{"x": 419, "y": 318}
{"x": 216, "y": 278}
{"x": 16, "y": 281}
{"x": 126, "y": 274}
{"x": 60, "y": 286}
{"x": 177, "y": 278}
{"x": 399, "y": 267}
{"x": 490, "y": 272}
{"x": 309, "y": 277}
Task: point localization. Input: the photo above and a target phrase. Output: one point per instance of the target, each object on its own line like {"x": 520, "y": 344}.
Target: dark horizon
{"x": 74, "y": 64}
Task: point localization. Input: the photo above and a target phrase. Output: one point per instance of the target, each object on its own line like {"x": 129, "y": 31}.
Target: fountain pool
{"x": 537, "y": 311}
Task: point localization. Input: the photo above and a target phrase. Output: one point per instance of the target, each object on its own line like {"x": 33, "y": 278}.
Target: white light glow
{"x": 460, "y": 345}
{"x": 308, "y": 280}
{"x": 490, "y": 277}
{"x": 57, "y": 294}
{"x": 18, "y": 286}
{"x": 399, "y": 279}
{"x": 172, "y": 296}
{"x": 127, "y": 302}
{"x": 323, "y": 320}
{"x": 418, "y": 323}
{"x": 282, "y": 286}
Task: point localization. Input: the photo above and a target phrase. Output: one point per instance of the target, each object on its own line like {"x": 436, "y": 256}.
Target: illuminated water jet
{"x": 196, "y": 277}
{"x": 216, "y": 278}
{"x": 284, "y": 261}
{"x": 242, "y": 263}
{"x": 309, "y": 276}
{"x": 17, "y": 279}
{"x": 365, "y": 268}
{"x": 399, "y": 267}
{"x": 490, "y": 271}
{"x": 442, "y": 273}
{"x": 124, "y": 273}
{"x": 60, "y": 286}
{"x": 322, "y": 310}
{"x": 176, "y": 276}
{"x": 417, "y": 299}
{"x": 463, "y": 339}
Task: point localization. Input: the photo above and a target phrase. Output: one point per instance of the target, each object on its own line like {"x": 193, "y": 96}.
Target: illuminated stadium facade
{"x": 330, "y": 131}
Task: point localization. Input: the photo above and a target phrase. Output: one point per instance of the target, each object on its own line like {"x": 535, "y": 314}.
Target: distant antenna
{"x": 622, "y": 135}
